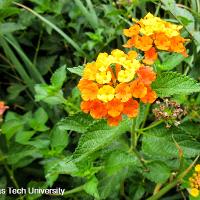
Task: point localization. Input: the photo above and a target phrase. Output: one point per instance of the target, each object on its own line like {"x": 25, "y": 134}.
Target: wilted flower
{"x": 151, "y": 34}
{"x": 110, "y": 84}
{"x": 169, "y": 111}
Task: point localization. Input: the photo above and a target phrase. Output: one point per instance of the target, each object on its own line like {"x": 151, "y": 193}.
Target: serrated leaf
{"x": 98, "y": 136}
{"x": 158, "y": 172}
{"x": 78, "y": 122}
{"x": 23, "y": 137}
{"x": 119, "y": 160}
{"x": 76, "y": 70}
{"x": 58, "y": 77}
{"x": 91, "y": 187}
{"x": 159, "y": 143}
{"x": 169, "y": 83}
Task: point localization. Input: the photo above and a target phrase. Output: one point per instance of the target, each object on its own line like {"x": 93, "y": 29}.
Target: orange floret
{"x": 138, "y": 89}
{"x": 161, "y": 41}
{"x": 88, "y": 89}
{"x": 150, "y": 97}
{"x": 146, "y": 75}
{"x": 114, "y": 107}
{"x": 132, "y": 55}
{"x": 86, "y": 106}
{"x": 114, "y": 121}
{"x": 131, "y": 42}
{"x": 178, "y": 45}
{"x": 143, "y": 43}
{"x": 131, "y": 108}
{"x": 98, "y": 109}
{"x": 123, "y": 92}
{"x": 133, "y": 30}
{"x": 150, "y": 56}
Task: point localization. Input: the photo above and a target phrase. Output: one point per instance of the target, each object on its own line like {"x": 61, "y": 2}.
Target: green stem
{"x": 146, "y": 114}
{"x": 174, "y": 183}
{"x": 152, "y": 125}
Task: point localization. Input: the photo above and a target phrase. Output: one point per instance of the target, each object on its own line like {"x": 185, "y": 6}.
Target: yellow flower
{"x": 102, "y": 61}
{"x": 106, "y": 93}
{"x": 197, "y": 168}
{"x": 103, "y": 77}
{"x": 90, "y": 71}
{"x": 125, "y": 76}
{"x": 118, "y": 53}
{"x": 194, "y": 192}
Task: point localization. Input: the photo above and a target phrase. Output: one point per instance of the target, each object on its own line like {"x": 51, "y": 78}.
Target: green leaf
{"x": 159, "y": 143}
{"x": 76, "y": 70}
{"x": 59, "y": 139}
{"x": 9, "y": 128}
{"x": 58, "y": 77}
{"x": 119, "y": 160}
{"x": 91, "y": 187}
{"x": 38, "y": 185}
{"x": 158, "y": 172}
{"x": 23, "y": 137}
{"x": 98, "y": 136}
{"x": 78, "y": 122}
{"x": 10, "y": 27}
{"x": 169, "y": 83}
{"x": 55, "y": 166}
{"x": 15, "y": 89}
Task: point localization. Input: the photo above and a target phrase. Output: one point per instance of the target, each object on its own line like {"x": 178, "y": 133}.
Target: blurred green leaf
{"x": 58, "y": 77}
{"x": 76, "y": 70}
{"x": 91, "y": 187}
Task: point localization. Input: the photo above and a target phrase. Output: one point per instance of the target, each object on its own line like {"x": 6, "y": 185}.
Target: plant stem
{"x": 177, "y": 180}
{"x": 152, "y": 125}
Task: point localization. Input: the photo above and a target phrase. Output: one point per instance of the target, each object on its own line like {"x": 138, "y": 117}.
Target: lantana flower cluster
{"x": 151, "y": 34}
{"x": 112, "y": 85}
{"x": 194, "y": 180}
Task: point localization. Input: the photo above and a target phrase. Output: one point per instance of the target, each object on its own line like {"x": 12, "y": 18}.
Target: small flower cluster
{"x": 169, "y": 111}
{"x": 194, "y": 181}
{"x": 110, "y": 86}
{"x": 151, "y": 34}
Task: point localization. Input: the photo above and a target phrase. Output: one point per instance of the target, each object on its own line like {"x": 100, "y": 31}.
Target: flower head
{"x": 151, "y": 34}
{"x": 109, "y": 90}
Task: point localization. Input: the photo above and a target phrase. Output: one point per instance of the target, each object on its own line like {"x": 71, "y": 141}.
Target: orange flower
{"x": 131, "y": 108}
{"x": 138, "y": 89}
{"x": 98, "y": 109}
{"x": 114, "y": 121}
{"x": 132, "y": 31}
{"x": 123, "y": 92}
{"x": 143, "y": 43}
{"x": 161, "y": 41}
{"x": 132, "y": 55}
{"x": 3, "y": 107}
{"x": 115, "y": 72}
{"x": 131, "y": 42}
{"x": 88, "y": 89}
{"x": 150, "y": 97}
{"x": 146, "y": 75}
{"x": 150, "y": 56}
{"x": 178, "y": 45}
{"x": 115, "y": 107}
{"x": 86, "y": 106}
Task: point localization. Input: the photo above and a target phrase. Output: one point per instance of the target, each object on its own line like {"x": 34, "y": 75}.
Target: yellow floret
{"x": 125, "y": 76}
{"x": 103, "y": 77}
{"x": 106, "y": 93}
{"x": 197, "y": 168}
{"x": 118, "y": 53}
{"x": 90, "y": 71}
{"x": 102, "y": 61}
{"x": 194, "y": 192}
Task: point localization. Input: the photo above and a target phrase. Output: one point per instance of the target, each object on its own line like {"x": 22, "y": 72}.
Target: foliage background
{"x": 46, "y": 142}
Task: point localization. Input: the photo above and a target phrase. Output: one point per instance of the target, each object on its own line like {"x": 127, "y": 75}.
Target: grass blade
{"x": 58, "y": 30}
